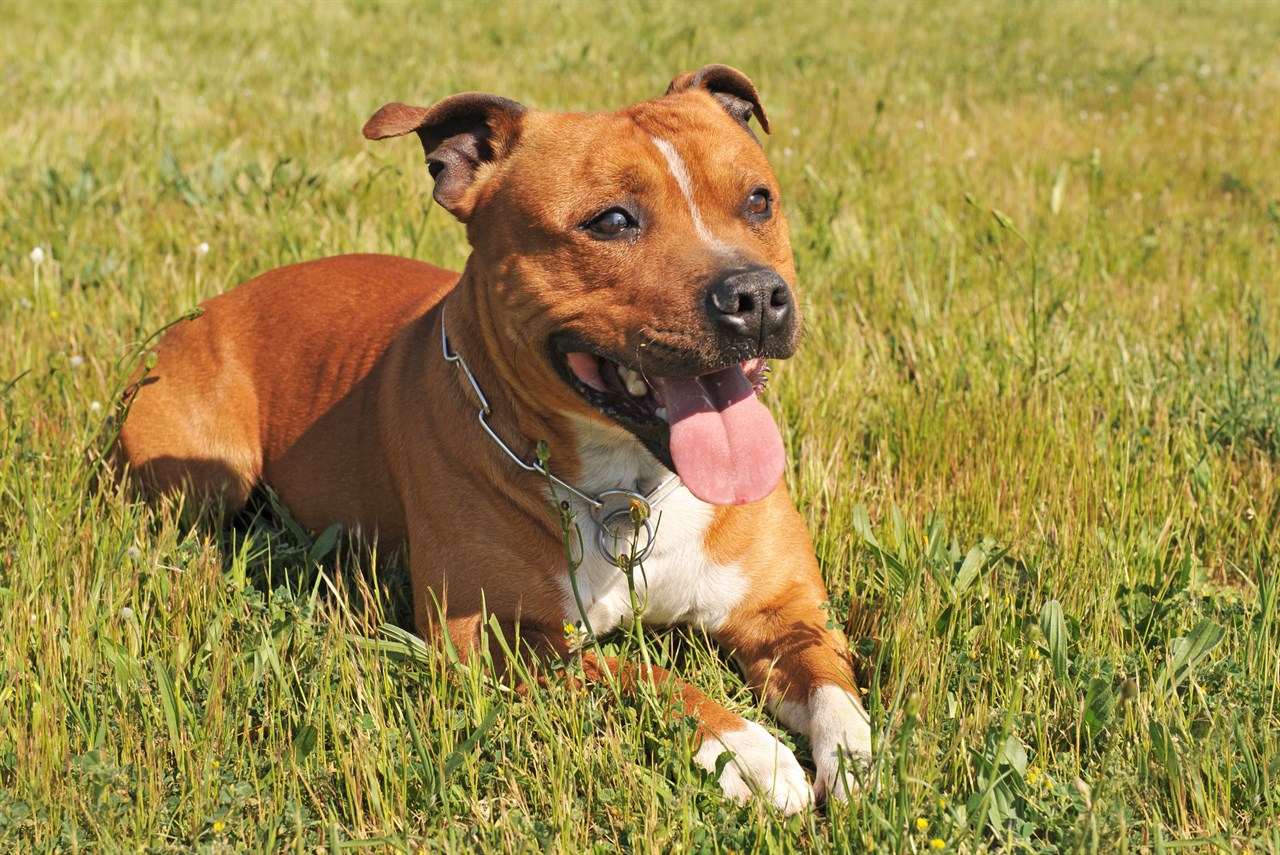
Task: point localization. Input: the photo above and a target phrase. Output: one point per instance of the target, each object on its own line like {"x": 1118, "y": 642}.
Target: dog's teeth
{"x": 661, "y": 413}
{"x": 631, "y": 380}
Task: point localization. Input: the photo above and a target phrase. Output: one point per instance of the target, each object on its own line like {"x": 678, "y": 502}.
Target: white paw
{"x": 840, "y": 735}
{"x": 761, "y": 765}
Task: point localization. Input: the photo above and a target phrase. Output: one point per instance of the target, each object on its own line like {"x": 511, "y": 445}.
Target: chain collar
{"x": 611, "y": 509}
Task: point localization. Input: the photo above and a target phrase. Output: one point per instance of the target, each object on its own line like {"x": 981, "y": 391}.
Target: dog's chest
{"x": 677, "y": 583}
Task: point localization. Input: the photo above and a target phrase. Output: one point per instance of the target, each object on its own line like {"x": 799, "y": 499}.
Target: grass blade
{"x": 1054, "y": 626}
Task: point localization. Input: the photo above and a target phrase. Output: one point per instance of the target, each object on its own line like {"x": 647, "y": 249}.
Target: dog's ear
{"x": 460, "y": 135}
{"x": 730, "y": 87}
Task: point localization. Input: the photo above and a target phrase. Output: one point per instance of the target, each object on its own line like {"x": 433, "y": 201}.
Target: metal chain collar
{"x": 611, "y": 509}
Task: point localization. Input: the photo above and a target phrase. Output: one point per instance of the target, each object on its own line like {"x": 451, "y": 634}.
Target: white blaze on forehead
{"x": 675, "y": 164}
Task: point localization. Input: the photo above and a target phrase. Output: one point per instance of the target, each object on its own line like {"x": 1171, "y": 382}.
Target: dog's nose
{"x": 752, "y": 304}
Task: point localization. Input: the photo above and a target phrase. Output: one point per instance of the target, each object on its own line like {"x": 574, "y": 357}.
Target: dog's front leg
{"x": 802, "y": 670}
{"x": 760, "y": 765}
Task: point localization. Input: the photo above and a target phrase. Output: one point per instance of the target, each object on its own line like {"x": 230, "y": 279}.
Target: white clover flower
{"x": 36, "y": 256}
{"x": 95, "y": 407}
{"x": 76, "y": 361}
{"x": 133, "y": 552}
{"x": 202, "y": 248}
{"x": 126, "y": 613}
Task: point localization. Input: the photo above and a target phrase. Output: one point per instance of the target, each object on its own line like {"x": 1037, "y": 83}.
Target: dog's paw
{"x": 761, "y": 766}
{"x": 840, "y": 735}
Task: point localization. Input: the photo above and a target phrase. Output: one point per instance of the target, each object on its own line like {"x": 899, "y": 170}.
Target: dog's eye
{"x": 611, "y": 223}
{"x": 759, "y": 205}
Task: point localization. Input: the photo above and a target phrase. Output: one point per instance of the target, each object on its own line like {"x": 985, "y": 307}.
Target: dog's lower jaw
{"x": 760, "y": 766}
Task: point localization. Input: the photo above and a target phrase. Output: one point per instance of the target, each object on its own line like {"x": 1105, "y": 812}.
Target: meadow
{"x": 1034, "y": 426}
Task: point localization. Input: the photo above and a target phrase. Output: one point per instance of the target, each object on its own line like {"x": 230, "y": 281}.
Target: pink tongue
{"x": 724, "y": 443}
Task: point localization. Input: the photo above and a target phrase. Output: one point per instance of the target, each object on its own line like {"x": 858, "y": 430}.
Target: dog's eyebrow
{"x": 680, "y": 172}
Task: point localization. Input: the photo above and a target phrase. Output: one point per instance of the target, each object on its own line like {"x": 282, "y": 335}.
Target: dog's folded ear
{"x": 730, "y": 87}
{"x": 460, "y": 134}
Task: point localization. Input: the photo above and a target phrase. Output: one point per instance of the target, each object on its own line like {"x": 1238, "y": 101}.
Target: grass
{"x": 1034, "y": 426}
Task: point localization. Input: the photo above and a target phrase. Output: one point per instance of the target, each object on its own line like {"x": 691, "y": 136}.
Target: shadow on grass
{"x": 264, "y": 546}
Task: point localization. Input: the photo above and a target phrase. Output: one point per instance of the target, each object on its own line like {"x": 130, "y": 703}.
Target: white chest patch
{"x": 677, "y": 583}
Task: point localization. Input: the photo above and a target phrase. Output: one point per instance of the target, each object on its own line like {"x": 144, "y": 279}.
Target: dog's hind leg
{"x": 193, "y": 434}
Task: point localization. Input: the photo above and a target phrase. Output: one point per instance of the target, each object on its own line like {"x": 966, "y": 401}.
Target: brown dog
{"x": 631, "y": 275}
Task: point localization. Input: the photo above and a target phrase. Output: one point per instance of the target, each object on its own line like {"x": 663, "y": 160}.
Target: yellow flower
{"x": 53, "y": 314}
{"x": 921, "y": 823}
{"x": 937, "y": 843}
{"x": 1032, "y": 776}
{"x": 218, "y": 826}
{"x": 216, "y": 764}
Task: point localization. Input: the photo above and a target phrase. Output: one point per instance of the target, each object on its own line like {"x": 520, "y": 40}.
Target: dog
{"x": 595, "y": 368}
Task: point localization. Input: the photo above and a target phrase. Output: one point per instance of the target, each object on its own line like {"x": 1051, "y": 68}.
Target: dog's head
{"x": 644, "y": 255}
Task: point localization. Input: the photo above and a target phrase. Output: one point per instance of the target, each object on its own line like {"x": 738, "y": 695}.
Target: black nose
{"x": 752, "y": 304}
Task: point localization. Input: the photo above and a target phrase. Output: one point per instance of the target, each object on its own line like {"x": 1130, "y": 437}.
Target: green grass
{"x": 1039, "y": 449}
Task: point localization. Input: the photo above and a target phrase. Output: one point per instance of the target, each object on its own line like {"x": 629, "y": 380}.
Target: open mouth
{"x": 711, "y": 428}
{"x": 618, "y": 389}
